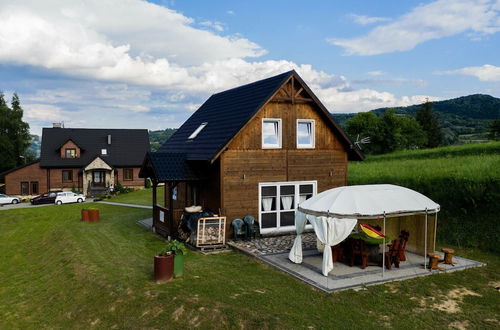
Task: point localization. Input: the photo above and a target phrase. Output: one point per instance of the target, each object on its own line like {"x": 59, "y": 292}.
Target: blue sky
{"x": 137, "y": 64}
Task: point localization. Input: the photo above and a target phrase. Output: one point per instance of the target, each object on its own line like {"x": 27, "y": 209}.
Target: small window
{"x": 197, "y": 131}
{"x": 34, "y": 187}
{"x": 25, "y": 188}
{"x": 271, "y": 133}
{"x": 67, "y": 175}
{"x": 70, "y": 153}
{"x": 104, "y": 151}
{"x": 128, "y": 174}
{"x": 305, "y": 133}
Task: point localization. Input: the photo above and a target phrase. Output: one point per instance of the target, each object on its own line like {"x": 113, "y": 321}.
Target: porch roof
{"x": 169, "y": 166}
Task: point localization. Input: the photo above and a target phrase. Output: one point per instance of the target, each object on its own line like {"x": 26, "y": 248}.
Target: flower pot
{"x": 85, "y": 215}
{"x": 163, "y": 267}
{"x": 178, "y": 265}
{"x": 94, "y": 215}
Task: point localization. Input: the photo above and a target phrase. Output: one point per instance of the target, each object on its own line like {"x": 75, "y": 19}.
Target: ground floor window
{"x": 25, "y": 188}
{"x": 279, "y": 200}
{"x": 34, "y": 187}
{"x": 128, "y": 174}
{"x": 67, "y": 175}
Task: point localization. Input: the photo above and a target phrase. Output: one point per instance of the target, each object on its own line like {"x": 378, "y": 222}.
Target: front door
{"x": 99, "y": 178}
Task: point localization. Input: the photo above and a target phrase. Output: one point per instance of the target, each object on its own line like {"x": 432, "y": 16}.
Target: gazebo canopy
{"x": 368, "y": 201}
{"x": 334, "y": 213}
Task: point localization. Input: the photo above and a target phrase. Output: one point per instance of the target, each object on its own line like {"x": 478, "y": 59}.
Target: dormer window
{"x": 197, "y": 131}
{"x": 104, "y": 151}
{"x": 271, "y": 133}
{"x": 70, "y": 153}
{"x": 305, "y": 133}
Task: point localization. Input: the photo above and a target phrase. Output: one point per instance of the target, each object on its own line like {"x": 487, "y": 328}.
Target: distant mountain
{"x": 463, "y": 119}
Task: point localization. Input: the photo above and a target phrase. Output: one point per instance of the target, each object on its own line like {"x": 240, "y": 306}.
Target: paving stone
{"x": 275, "y": 244}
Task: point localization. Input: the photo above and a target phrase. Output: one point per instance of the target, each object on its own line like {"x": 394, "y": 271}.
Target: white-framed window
{"x": 278, "y": 202}
{"x": 305, "y": 133}
{"x": 104, "y": 151}
{"x": 271, "y": 133}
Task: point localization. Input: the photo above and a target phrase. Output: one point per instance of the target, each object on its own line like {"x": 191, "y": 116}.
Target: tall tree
{"x": 365, "y": 125}
{"x": 14, "y": 134}
{"x": 430, "y": 124}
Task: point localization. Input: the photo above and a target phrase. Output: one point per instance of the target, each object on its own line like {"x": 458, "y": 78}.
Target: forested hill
{"x": 463, "y": 118}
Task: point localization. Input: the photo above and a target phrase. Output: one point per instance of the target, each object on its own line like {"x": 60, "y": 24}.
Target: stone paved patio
{"x": 275, "y": 244}
{"x": 274, "y": 251}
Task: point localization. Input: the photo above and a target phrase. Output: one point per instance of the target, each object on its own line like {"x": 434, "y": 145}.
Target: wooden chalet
{"x": 258, "y": 149}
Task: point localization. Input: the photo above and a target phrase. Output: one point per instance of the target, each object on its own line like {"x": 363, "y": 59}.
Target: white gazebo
{"x": 334, "y": 213}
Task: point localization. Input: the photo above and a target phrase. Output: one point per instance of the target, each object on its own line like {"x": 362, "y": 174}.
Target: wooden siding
{"x": 245, "y": 164}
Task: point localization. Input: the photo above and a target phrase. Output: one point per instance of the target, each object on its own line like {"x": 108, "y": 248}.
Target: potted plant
{"x": 164, "y": 266}
{"x": 179, "y": 250}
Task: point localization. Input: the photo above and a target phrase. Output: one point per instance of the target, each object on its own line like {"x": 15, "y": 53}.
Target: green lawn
{"x": 141, "y": 197}
{"x": 57, "y": 272}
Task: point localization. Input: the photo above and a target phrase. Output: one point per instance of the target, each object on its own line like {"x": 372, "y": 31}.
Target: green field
{"x": 57, "y": 272}
{"x": 464, "y": 180}
{"x": 140, "y": 197}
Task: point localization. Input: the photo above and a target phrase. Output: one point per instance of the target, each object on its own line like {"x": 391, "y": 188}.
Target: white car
{"x": 69, "y": 197}
{"x": 6, "y": 199}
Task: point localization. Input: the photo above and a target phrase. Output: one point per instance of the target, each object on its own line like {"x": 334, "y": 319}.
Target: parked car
{"x": 47, "y": 198}
{"x": 6, "y": 199}
{"x": 69, "y": 197}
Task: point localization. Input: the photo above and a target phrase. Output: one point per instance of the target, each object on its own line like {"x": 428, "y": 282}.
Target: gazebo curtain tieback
{"x": 329, "y": 230}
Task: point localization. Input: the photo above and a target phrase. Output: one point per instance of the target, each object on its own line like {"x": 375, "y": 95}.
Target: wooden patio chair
{"x": 404, "y": 236}
{"x": 238, "y": 229}
{"x": 252, "y": 226}
{"x": 392, "y": 256}
{"x": 357, "y": 248}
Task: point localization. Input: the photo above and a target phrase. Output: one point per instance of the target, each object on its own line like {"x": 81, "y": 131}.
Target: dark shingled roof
{"x": 127, "y": 148}
{"x": 171, "y": 166}
{"x": 227, "y": 112}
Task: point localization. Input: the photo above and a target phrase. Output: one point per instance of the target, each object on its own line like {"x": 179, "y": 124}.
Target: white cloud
{"x": 376, "y": 73}
{"x": 366, "y": 20}
{"x": 217, "y": 26}
{"x": 439, "y": 19}
{"x": 486, "y": 72}
{"x": 43, "y": 112}
{"x": 125, "y": 53}
{"x": 230, "y": 12}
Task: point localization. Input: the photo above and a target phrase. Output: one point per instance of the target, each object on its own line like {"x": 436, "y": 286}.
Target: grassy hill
{"x": 464, "y": 180}
{"x": 463, "y": 119}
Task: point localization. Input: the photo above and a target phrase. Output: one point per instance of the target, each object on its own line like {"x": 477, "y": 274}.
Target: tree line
{"x": 15, "y": 138}
{"x": 391, "y": 132}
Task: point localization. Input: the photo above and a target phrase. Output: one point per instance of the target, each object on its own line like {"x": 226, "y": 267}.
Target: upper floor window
{"x": 271, "y": 133}
{"x": 104, "y": 151}
{"x": 305, "y": 133}
{"x": 70, "y": 153}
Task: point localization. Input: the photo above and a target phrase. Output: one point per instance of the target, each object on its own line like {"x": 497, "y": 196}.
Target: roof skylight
{"x": 197, "y": 131}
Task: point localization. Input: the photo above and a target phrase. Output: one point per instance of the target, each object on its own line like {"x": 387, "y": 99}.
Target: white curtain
{"x": 287, "y": 202}
{"x": 330, "y": 231}
{"x": 267, "y": 203}
{"x": 295, "y": 254}
{"x": 302, "y": 198}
